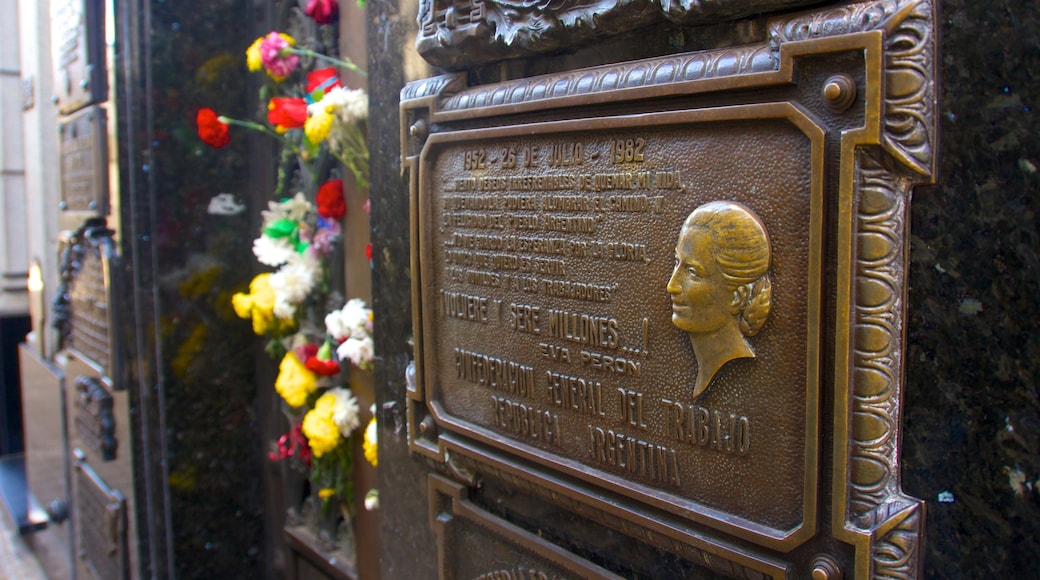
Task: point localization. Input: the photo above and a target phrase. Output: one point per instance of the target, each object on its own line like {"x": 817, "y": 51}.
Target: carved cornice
{"x": 909, "y": 100}
{"x": 641, "y": 73}
{"x": 460, "y": 33}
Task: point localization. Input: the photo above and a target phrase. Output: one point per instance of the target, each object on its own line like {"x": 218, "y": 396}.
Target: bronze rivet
{"x": 826, "y": 567}
{"x": 418, "y": 129}
{"x": 839, "y": 92}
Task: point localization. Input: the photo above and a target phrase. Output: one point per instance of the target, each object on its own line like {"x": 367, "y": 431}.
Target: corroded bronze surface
{"x": 550, "y": 326}
{"x": 467, "y": 32}
{"x": 495, "y": 549}
{"x": 572, "y": 238}
{"x": 102, "y": 527}
{"x": 77, "y": 36}
{"x": 84, "y": 165}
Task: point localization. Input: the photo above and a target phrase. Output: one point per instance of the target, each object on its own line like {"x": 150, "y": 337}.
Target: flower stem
{"x": 254, "y": 126}
{"x": 343, "y": 63}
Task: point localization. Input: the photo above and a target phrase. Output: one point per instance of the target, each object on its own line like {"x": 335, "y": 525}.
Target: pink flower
{"x": 275, "y": 57}
{"x": 322, "y": 11}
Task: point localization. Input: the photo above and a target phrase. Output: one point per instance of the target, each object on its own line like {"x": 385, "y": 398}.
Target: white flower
{"x": 356, "y": 315}
{"x": 271, "y": 251}
{"x": 336, "y": 326}
{"x": 283, "y": 309}
{"x": 353, "y": 320}
{"x": 293, "y": 282}
{"x": 358, "y": 350}
{"x": 297, "y": 207}
{"x": 346, "y": 412}
{"x": 347, "y": 105}
{"x": 372, "y": 432}
{"x": 273, "y": 213}
{"x": 372, "y": 500}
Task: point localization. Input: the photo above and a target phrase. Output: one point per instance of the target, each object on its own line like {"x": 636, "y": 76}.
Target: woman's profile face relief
{"x": 700, "y": 299}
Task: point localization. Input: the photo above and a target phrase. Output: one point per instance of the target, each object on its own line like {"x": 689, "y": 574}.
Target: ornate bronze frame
{"x": 879, "y": 163}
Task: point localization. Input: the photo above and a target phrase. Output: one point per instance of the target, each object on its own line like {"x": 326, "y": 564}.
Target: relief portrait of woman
{"x": 720, "y": 288}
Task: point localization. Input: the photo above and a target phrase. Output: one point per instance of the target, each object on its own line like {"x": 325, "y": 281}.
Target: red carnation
{"x": 211, "y": 130}
{"x": 322, "y": 11}
{"x": 330, "y": 200}
{"x": 325, "y": 79}
{"x": 324, "y": 368}
{"x": 287, "y": 113}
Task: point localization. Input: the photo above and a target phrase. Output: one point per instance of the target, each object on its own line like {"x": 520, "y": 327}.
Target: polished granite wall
{"x": 972, "y": 412}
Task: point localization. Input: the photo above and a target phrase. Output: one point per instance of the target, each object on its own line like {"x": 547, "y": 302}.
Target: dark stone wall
{"x": 972, "y": 415}
{"x": 971, "y": 409}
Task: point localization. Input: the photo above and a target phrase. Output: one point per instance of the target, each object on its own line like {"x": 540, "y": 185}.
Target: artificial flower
{"x": 280, "y": 229}
{"x": 287, "y": 112}
{"x": 359, "y": 351}
{"x": 271, "y": 251}
{"x": 371, "y": 443}
{"x": 319, "y": 360}
{"x": 322, "y": 11}
{"x": 284, "y": 309}
{"x": 253, "y": 60}
{"x": 318, "y": 125}
{"x": 331, "y": 204}
{"x": 326, "y": 493}
{"x": 297, "y": 207}
{"x": 372, "y": 499}
{"x": 259, "y": 305}
{"x": 293, "y": 282}
{"x": 322, "y": 434}
{"x": 326, "y": 236}
{"x": 354, "y": 319}
{"x": 292, "y": 443}
{"x": 321, "y": 81}
{"x": 211, "y": 129}
{"x": 294, "y": 381}
{"x": 349, "y": 105}
{"x": 345, "y": 410}
{"x": 275, "y": 56}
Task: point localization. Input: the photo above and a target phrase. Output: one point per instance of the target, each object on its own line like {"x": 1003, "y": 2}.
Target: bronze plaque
{"x": 84, "y": 162}
{"x": 76, "y": 53}
{"x": 555, "y": 322}
{"x": 102, "y": 524}
{"x": 90, "y": 329}
{"x": 670, "y": 291}
{"x": 94, "y": 419}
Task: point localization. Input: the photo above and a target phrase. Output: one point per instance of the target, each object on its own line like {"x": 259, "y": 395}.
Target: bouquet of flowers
{"x": 313, "y": 331}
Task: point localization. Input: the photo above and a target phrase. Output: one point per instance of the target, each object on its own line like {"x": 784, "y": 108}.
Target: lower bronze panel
{"x": 101, "y": 516}
{"x": 475, "y": 545}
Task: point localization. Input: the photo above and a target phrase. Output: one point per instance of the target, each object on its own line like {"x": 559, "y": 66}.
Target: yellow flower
{"x": 371, "y": 443}
{"x": 295, "y": 381}
{"x": 258, "y": 304}
{"x": 318, "y": 126}
{"x": 326, "y": 493}
{"x": 321, "y": 431}
{"x": 253, "y": 60}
